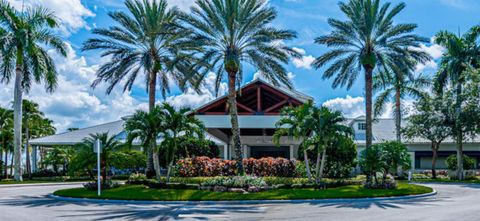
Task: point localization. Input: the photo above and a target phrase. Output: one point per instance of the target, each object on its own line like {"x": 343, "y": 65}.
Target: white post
{"x": 225, "y": 152}
{"x": 291, "y": 152}
{"x": 245, "y": 154}
{"x": 98, "y": 167}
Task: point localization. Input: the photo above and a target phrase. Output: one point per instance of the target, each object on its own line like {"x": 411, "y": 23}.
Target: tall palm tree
{"x": 368, "y": 40}
{"x": 144, "y": 42}
{"x": 24, "y": 38}
{"x": 394, "y": 86}
{"x": 231, "y": 33}
{"x": 109, "y": 144}
{"x": 146, "y": 126}
{"x": 462, "y": 54}
{"x": 31, "y": 116}
{"x": 177, "y": 124}
{"x": 295, "y": 122}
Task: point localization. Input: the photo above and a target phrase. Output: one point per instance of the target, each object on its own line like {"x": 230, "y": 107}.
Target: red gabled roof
{"x": 256, "y": 98}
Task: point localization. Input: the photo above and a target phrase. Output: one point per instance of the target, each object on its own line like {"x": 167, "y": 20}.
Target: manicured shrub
{"x": 108, "y": 185}
{"x": 204, "y": 166}
{"x": 137, "y": 178}
{"x": 468, "y": 162}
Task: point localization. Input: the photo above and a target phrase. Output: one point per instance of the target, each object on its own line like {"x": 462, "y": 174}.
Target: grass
{"x": 138, "y": 192}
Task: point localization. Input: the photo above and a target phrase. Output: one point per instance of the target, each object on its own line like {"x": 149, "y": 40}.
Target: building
{"x": 259, "y": 109}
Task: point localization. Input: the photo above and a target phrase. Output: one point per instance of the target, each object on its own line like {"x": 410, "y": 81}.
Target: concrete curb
{"x": 40, "y": 184}
{"x": 345, "y": 200}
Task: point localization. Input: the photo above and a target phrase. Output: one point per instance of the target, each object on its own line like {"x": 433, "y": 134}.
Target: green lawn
{"x": 137, "y": 192}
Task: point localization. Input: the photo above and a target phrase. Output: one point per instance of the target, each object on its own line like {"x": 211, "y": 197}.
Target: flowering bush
{"x": 236, "y": 182}
{"x": 206, "y": 167}
{"x": 137, "y": 178}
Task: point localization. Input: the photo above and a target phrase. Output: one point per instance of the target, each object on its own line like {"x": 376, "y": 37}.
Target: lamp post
{"x": 98, "y": 149}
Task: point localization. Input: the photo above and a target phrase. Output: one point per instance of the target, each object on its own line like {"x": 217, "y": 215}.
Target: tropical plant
{"x": 109, "y": 144}
{"x": 461, "y": 55}
{"x": 146, "y": 127}
{"x": 31, "y": 116}
{"x": 25, "y": 36}
{"x": 295, "y": 123}
{"x": 394, "y": 86}
{"x": 177, "y": 124}
{"x": 468, "y": 162}
{"x": 6, "y": 136}
{"x": 342, "y": 158}
{"x": 145, "y": 42}
{"x": 368, "y": 39}
{"x": 59, "y": 156}
{"x": 429, "y": 123}
{"x": 327, "y": 127}
{"x": 231, "y": 33}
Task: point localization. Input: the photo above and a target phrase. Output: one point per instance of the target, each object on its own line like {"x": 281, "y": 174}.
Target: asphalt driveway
{"x": 453, "y": 202}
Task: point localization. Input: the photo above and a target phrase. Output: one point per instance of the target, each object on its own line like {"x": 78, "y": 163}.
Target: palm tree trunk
{"x": 317, "y": 168}
{"x": 307, "y": 165}
{"x": 156, "y": 166}
{"x": 434, "y": 159}
{"x": 398, "y": 115}
{"x": 322, "y": 165}
{"x": 368, "y": 108}
{"x": 150, "y": 171}
{"x": 232, "y": 101}
{"x": 459, "y": 133}
{"x": 28, "y": 163}
{"x": 17, "y": 120}
{"x": 460, "y": 157}
{"x": 6, "y": 164}
{"x": 11, "y": 165}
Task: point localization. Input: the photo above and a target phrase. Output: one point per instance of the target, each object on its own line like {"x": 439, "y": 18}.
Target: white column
{"x": 291, "y": 152}
{"x": 225, "y": 151}
{"x": 245, "y": 151}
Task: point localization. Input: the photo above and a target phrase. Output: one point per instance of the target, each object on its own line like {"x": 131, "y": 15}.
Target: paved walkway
{"x": 453, "y": 202}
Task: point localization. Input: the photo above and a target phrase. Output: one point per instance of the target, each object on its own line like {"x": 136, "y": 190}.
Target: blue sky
{"x": 76, "y": 105}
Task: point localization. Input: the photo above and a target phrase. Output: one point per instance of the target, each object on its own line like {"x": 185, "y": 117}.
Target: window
{"x": 362, "y": 126}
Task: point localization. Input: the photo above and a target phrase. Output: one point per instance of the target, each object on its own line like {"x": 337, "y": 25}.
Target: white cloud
{"x": 305, "y": 61}
{"x": 182, "y": 4}
{"x": 435, "y": 51}
{"x": 71, "y": 13}
{"x": 430, "y": 65}
{"x": 350, "y": 106}
{"x": 191, "y": 99}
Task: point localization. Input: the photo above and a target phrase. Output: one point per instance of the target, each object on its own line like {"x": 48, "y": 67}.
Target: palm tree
{"x": 24, "y": 37}
{"x": 176, "y": 125}
{"x": 394, "y": 86}
{"x": 462, "y": 54}
{"x": 327, "y": 128}
{"x": 145, "y": 42}
{"x": 6, "y": 123}
{"x": 146, "y": 126}
{"x": 31, "y": 116}
{"x": 231, "y": 33}
{"x": 109, "y": 144}
{"x": 295, "y": 122}
{"x": 367, "y": 40}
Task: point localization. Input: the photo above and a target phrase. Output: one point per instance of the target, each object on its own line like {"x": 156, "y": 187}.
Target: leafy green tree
{"x": 429, "y": 123}
{"x": 59, "y": 156}
{"x": 394, "y": 86}
{"x": 468, "y": 162}
{"x": 31, "y": 116}
{"x": 462, "y": 54}
{"x": 368, "y": 39}
{"x": 231, "y": 33}
{"x": 295, "y": 123}
{"x": 145, "y": 42}
{"x": 341, "y": 160}
{"x": 25, "y": 36}
{"x": 146, "y": 127}
{"x": 128, "y": 159}
{"x": 109, "y": 145}
{"x": 177, "y": 124}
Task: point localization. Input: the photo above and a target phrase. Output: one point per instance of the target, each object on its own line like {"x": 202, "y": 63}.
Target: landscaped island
{"x": 140, "y": 192}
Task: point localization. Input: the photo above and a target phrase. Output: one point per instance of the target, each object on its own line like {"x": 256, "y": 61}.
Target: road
{"x": 453, "y": 202}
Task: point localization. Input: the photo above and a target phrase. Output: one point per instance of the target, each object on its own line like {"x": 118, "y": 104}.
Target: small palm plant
{"x": 24, "y": 38}
{"x": 146, "y": 127}
{"x": 178, "y": 124}
{"x": 109, "y": 144}
{"x": 232, "y": 33}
